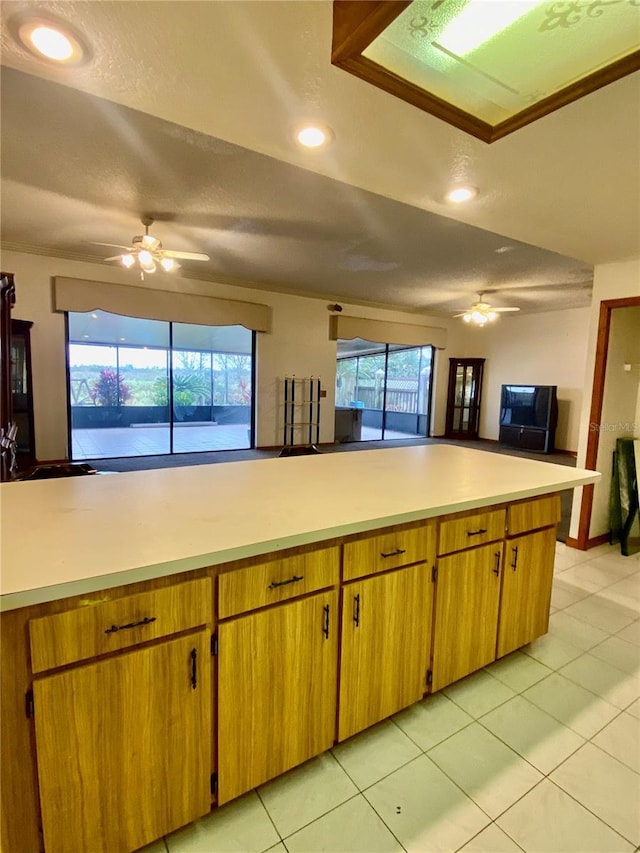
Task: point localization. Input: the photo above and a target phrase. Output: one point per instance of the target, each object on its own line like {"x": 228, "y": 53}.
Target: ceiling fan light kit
{"x": 147, "y": 253}
{"x": 478, "y": 317}
{"x": 481, "y": 313}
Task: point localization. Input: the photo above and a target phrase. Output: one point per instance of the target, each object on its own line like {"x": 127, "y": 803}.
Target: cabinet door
{"x": 386, "y": 632}
{"x": 466, "y": 613}
{"x": 526, "y": 589}
{"x": 277, "y": 677}
{"x": 124, "y": 747}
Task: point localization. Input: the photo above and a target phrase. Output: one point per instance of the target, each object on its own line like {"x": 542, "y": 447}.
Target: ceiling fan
{"x": 480, "y": 313}
{"x": 146, "y": 251}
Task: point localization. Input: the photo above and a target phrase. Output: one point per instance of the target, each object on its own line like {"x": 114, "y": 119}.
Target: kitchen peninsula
{"x": 172, "y": 638}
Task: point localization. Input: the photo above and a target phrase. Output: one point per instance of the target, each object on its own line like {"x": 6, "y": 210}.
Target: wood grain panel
{"x": 386, "y": 635}
{"x": 526, "y": 589}
{"x": 124, "y": 747}
{"x": 394, "y": 547}
{"x": 18, "y": 785}
{"x": 277, "y": 580}
{"x": 277, "y": 675}
{"x": 532, "y": 515}
{"x": 87, "y": 632}
{"x": 464, "y": 530}
{"x": 19, "y": 827}
{"x": 466, "y": 613}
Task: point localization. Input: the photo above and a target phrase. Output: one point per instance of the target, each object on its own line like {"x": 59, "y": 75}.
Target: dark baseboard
{"x": 603, "y": 539}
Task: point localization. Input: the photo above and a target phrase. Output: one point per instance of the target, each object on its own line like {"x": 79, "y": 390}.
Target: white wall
{"x": 297, "y": 344}
{"x": 611, "y": 281}
{"x": 531, "y": 349}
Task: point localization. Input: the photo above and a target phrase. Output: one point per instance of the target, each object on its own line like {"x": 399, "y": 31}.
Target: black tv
{"x": 529, "y": 416}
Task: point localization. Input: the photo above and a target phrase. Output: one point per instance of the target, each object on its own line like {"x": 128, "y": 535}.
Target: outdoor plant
{"x": 109, "y": 389}
{"x": 189, "y": 389}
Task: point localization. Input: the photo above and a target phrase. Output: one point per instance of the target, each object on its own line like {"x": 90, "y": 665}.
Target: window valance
{"x": 385, "y": 332}
{"x": 75, "y": 294}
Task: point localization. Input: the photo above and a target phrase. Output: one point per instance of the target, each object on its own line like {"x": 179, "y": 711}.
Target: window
{"x": 390, "y": 383}
{"x": 143, "y": 387}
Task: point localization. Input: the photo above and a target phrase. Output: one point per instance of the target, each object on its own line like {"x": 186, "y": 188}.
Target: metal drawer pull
{"x": 146, "y": 621}
{"x": 395, "y": 553}
{"x": 356, "y": 610}
{"x": 514, "y": 565}
{"x": 194, "y": 678}
{"x": 325, "y": 627}
{"x": 496, "y": 569}
{"x": 294, "y": 579}
{"x": 476, "y": 532}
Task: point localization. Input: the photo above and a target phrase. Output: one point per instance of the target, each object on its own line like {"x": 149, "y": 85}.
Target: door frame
{"x": 583, "y": 542}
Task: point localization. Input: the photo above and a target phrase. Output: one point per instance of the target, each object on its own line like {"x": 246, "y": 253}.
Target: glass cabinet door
{"x": 21, "y": 395}
{"x": 463, "y": 401}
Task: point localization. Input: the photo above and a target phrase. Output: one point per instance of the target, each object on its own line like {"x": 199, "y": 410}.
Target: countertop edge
{"x": 55, "y": 592}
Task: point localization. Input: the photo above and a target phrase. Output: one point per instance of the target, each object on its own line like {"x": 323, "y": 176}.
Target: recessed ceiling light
{"x": 504, "y": 249}
{"x": 461, "y": 194}
{"x": 313, "y": 135}
{"x": 50, "y": 39}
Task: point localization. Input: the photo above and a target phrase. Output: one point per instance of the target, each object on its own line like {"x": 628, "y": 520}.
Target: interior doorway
{"x": 597, "y": 429}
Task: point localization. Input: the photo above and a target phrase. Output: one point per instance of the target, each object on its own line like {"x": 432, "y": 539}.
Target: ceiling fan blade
{"x": 502, "y": 310}
{"x": 460, "y": 315}
{"x": 113, "y": 258}
{"x": 112, "y": 245}
{"x": 186, "y": 256}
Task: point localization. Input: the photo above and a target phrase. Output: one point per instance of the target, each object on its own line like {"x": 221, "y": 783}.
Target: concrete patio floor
{"x": 118, "y": 442}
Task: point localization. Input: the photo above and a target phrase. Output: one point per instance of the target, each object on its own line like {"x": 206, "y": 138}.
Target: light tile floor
{"x": 538, "y": 752}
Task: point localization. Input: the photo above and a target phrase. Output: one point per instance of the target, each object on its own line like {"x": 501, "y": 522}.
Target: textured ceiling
{"x": 186, "y": 113}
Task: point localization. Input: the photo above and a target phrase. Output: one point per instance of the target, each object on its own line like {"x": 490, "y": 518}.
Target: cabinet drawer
{"x": 531, "y": 515}
{"x": 96, "y": 629}
{"x": 277, "y": 580}
{"x": 468, "y": 529}
{"x": 390, "y": 549}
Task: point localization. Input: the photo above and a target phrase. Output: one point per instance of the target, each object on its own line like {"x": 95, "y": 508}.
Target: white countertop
{"x": 77, "y": 535}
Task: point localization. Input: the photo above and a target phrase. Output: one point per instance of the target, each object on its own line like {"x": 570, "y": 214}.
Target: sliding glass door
{"x": 145, "y": 387}
{"x": 382, "y": 391}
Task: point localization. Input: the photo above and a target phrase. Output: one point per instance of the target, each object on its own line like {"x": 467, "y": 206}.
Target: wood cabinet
{"x": 468, "y": 529}
{"x": 466, "y": 613}
{"x": 274, "y": 581}
{"x": 313, "y": 645}
{"x": 277, "y": 683}
{"x": 110, "y": 626}
{"x": 386, "y": 632}
{"x": 123, "y": 732}
{"x": 395, "y": 547}
{"x": 124, "y": 747}
{"x": 526, "y": 589}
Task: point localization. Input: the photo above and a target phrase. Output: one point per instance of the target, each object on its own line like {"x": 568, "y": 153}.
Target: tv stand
{"x": 528, "y": 438}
